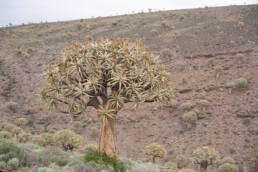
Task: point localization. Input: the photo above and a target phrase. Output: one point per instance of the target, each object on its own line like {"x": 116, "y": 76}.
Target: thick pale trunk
{"x": 107, "y": 140}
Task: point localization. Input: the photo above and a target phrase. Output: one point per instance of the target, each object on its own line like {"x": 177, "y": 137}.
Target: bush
{"x": 24, "y": 137}
{"x": 186, "y": 106}
{"x": 190, "y": 118}
{"x": 5, "y": 135}
{"x": 166, "y": 53}
{"x": 52, "y": 154}
{"x": 173, "y": 103}
{"x": 12, "y": 106}
{"x": 90, "y": 147}
{"x": 182, "y": 161}
{"x": 68, "y": 140}
{"x": 155, "y": 151}
{"x": 205, "y": 156}
{"x": 44, "y": 139}
{"x": 9, "y": 150}
{"x": 254, "y": 163}
{"x": 230, "y": 85}
{"x": 77, "y": 126}
{"x": 241, "y": 84}
{"x": 227, "y": 160}
{"x": 16, "y": 130}
{"x": 14, "y": 163}
{"x": 227, "y": 167}
{"x": 9, "y": 127}
{"x": 2, "y": 164}
{"x": 21, "y": 122}
{"x": 102, "y": 158}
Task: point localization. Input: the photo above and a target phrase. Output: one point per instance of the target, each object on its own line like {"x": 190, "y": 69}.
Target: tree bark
{"x": 107, "y": 140}
{"x": 153, "y": 159}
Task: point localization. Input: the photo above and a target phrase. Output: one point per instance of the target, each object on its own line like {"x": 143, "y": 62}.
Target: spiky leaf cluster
{"x": 105, "y": 74}
{"x": 205, "y": 154}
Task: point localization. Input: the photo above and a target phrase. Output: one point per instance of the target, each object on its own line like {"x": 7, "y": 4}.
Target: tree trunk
{"x": 153, "y": 159}
{"x": 204, "y": 166}
{"x": 107, "y": 139}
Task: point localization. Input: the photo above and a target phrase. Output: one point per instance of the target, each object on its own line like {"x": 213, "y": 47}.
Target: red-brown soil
{"x": 208, "y": 47}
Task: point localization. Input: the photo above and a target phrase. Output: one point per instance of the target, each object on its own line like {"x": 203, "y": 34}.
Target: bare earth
{"x": 207, "y": 48}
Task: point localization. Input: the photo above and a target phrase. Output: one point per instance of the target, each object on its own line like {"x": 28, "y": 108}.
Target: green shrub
{"x": 12, "y": 106}
{"x": 24, "y": 137}
{"x": 182, "y": 161}
{"x": 9, "y": 127}
{"x": 230, "y": 84}
{"x": 241, "y": 84}
{"x": 227, "y": 160}
{"x": 5, "y": 135}
{"x": 9, "y": 150}
{"x": 186, "y": 106}
{"x": 166, "y": 53}
{"x": 16, "y": 130}
{"x": 172, "y": 103}
{"x": 254, "y": 163}
{"x": 227, "y": 167}
{"x": 2, "y": 164}
{"x": 44, "y": 139}
{"x": 102, "y": 158}
{"x": 68, "y": 140}
{"x": 4, "y": 157}
{"x": 232, "y": 150}
{"x": 246, "y": 122}
{"x": 205, "y": 156}
{"x": 45, "y": 169}
{"x": 190, "y": 118}
{"x": 155, "y": 151}
{"x": 77, "y": 125}
{"x": 21, "y": 122}
{"x": 51, "y": 154}
{"x": 14, "y": 163}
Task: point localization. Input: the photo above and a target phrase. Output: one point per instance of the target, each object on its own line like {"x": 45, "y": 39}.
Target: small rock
{"x": 245, "y": 114}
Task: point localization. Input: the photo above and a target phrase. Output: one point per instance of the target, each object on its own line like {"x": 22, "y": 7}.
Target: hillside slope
{"x": 203, "y": 49}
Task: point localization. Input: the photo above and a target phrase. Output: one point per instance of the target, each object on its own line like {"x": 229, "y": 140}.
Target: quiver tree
{"x": 105, "y": 74}
{"x": 155, "y": 151}
{"x": 205, "y": 156}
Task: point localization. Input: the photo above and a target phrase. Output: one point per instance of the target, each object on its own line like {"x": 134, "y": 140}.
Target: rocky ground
{"x": 210, "y": 53}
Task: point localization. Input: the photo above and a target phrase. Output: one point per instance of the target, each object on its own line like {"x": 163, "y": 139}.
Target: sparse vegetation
{"x": 68, "y": 140}
{"x": 241, "y": 84}
{"x": 21, "y": 122}
{"x": 246, "y": 122}
{"x": 228, "y": 167}
{"x": 186, "y": 106}
{"x": 13, "y": 163}
{"x": 182, "y": 161}
{"x": 205, "y": 156}
{"x": 5, "y": 135}
{"x": 190, "y": 118}
{"x": 155, "y": 151}
{"x": 212, "y": 66}
{"x": 166, "y": 53}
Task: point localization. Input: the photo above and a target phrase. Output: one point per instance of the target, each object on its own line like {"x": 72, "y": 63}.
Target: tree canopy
{"x": 105, "y": 74}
